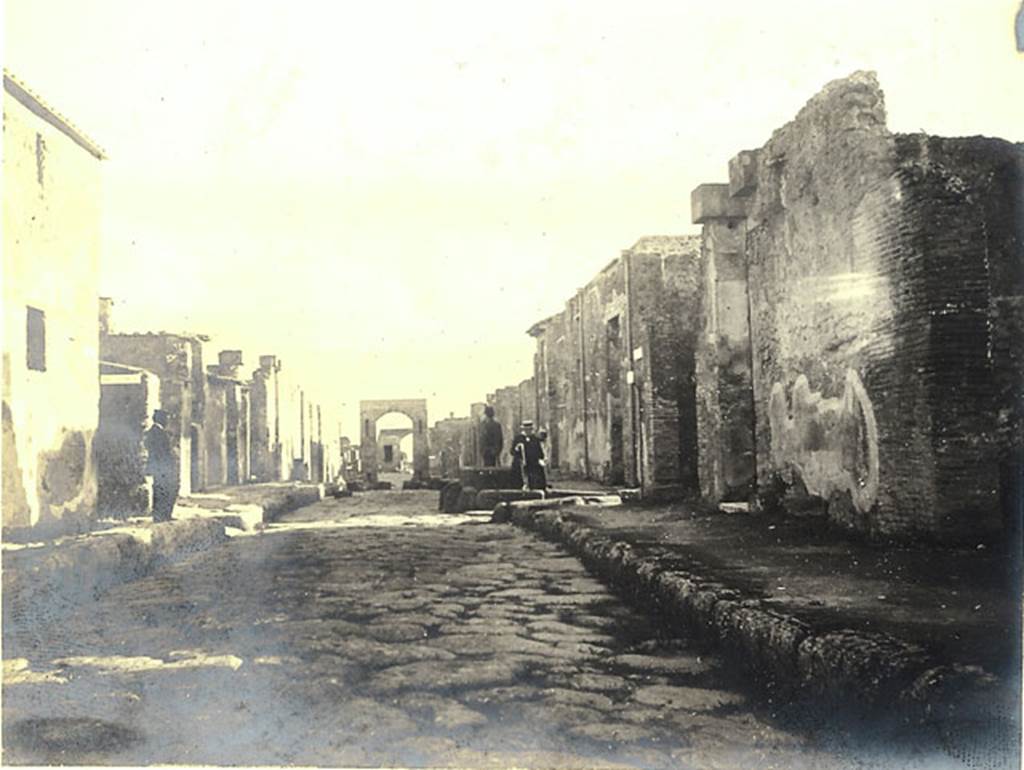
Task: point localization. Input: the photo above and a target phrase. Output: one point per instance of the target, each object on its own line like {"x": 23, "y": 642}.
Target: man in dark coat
{"x": 491, "y": 439}
{"x": 528, "y": 457}
{"x": 162, "y": 465}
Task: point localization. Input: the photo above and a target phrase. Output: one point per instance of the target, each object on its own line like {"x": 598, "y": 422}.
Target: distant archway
{"x": 371, "y": 411}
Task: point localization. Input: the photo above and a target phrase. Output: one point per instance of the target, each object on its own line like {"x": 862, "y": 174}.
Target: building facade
{"x": 51, "y": 389}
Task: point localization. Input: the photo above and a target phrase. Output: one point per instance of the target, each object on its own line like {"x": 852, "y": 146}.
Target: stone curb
{"x": 780, "y": 652}
{"x": 292, "y": 500}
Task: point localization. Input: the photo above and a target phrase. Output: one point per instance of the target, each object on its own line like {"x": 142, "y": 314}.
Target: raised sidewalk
{"x": 45, "y": 577}
{"x": 806, "y": 610}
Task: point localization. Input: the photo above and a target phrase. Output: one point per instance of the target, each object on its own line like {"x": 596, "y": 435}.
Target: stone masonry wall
{"x": 874, "y": 263}
{"x": 665, "y": 302}
{"x": 637, "y": 314}
{"x": 170, "y": 357}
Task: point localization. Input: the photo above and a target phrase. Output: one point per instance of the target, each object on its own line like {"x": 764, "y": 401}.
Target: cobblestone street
{"x": 373, "y": 631}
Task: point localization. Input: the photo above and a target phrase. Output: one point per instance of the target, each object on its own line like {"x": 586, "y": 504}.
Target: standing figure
{"x": 491, "y": 439}
{"x": 528, "y": 457}
{"x": 162, "y": 465}
{"x": 542, "y": 434}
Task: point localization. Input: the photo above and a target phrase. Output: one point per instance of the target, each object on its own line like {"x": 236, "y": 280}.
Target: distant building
{"x": 51, "y": 389}
{"x": 177, "y": 360}
{"x": 265, "y": 406}
{"x": 226, "y": 427}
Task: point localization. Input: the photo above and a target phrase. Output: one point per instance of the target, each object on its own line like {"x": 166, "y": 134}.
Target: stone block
{"x": 709, "y": 202}
{"x": 488, "y": 498}
{"x": 869, "y": 667}
{"x": 467, "y": 499}
{"x": 743, "y": 173}
{"x": 490, "y": 478}
{"x": 448, "y": 500}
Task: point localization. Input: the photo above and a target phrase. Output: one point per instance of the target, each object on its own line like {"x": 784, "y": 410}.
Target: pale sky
{"x": 388, "y": 194}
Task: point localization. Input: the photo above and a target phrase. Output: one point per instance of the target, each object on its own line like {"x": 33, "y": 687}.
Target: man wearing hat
{"x": 528, "y": 457}
{"x": 162, "y": 465}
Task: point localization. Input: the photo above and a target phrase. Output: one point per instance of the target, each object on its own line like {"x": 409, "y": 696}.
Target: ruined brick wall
{"x": 602, "y": 405}
{"x": 874, "y": 266}
{"x": 556, "y": 370}
{"x": 664, "y": 300}
{"x": 600, "y": 425}
{"x": 450, "y": 443}
{"x": 169, "y": 357}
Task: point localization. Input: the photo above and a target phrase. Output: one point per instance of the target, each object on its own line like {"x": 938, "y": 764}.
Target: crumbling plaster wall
{"x": 51, "y": 229}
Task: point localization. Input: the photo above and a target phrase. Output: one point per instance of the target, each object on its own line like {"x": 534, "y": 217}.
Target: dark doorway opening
{"x": 613, "y": 383}
{"x": 195, "y": 482}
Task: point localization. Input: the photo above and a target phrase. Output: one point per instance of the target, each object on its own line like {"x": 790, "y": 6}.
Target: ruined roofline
{"x": 920, "y": 136}
{"x": 661, "y": 244}
{"x": 865, "y": 79}
{"x": 40, "y": 109}
{"x": 538, "y": 328}
{"x": 178, "y": 335}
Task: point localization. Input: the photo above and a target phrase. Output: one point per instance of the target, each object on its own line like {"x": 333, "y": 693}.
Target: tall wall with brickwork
{"x": 614, "y": 370}
{"x": 663, "y": 316}
{"x": 878, "y": 268}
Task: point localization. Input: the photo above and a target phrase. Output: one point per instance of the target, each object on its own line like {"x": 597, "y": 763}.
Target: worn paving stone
{"x": 375, "y": 654}
{"x": 598, "y": 682}
{"x": 612, "y": 732}
{"x": 561, "y": 714}
{"x": 395, "y": 632}
{"x": 489, "y": 645}
{"x": 685, "y": 664}
{"x": 432, "y": 675}
{"x": 685, "y": 698}
{"x": 578, "y": 698}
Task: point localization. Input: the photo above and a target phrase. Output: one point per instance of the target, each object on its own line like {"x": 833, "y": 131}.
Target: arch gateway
{"x": 371, "y": 411}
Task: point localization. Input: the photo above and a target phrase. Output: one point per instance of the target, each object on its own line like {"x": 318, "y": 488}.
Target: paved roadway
{"x": 371, "y": 632}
